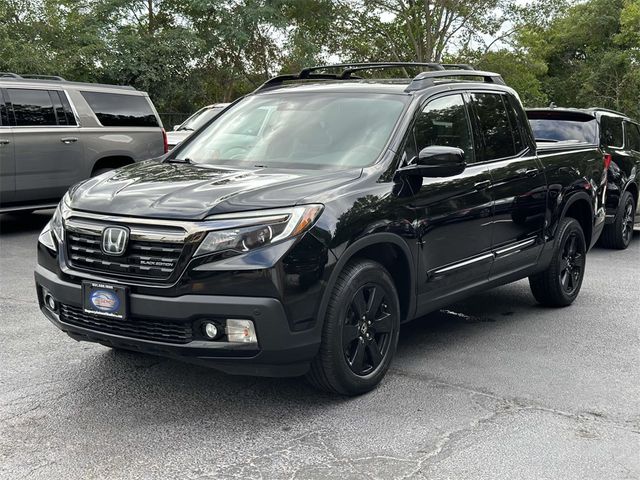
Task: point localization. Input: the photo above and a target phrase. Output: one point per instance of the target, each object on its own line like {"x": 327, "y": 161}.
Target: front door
{"x": 454, "y": 213}
{"x": 48, "y": 150}
{"x": 518, "y": 185}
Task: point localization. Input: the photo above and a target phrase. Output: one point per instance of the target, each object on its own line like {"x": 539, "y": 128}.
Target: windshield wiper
{"x": 186, "y": 129}
{"x": 188, "y": 161}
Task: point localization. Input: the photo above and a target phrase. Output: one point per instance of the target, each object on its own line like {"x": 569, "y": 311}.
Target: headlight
{"x": 258, "y": 228}
{"x": 55, "y": 226}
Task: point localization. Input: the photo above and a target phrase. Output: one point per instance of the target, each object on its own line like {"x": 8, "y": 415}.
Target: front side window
{"x": 299, "y": 130}
{"x": 611, "y": 131}
{"x": 497, "y": 132}
{"x": 121, "y": 110}
{"x": 31, "y": 107}
{"x": 633, "y": 136}
{"x": 444, "y": 122}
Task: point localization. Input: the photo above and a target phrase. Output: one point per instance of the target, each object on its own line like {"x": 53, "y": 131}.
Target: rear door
{"x": 48, "y": 152}
{"x": 518, "y": 185}
{"x": 7, "y": 159}
{"x": 453, "y": 213}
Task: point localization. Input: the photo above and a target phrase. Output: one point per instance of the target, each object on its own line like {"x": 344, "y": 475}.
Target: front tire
{"x": 560, "y": 283}
{"x": 360, "y": 331}
{"x": 618, "y": 234}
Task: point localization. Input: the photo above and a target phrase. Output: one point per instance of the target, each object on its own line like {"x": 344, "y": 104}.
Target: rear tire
{"x": 560, "y": 283}
{"x": 360, "y": 331}
{"x": 618, "y": 234}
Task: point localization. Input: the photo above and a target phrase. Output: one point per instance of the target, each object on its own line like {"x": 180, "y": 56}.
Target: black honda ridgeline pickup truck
{"x": 296, "y": 232}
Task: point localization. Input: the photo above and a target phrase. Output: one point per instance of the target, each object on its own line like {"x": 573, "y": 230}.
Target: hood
{"x": 174, "y": 138}
{"x": 187, "y": 192}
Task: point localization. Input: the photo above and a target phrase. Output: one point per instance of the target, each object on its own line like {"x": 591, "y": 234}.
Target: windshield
{"x": 199, "y": 118}
{"x": 299, "y": 130}
{"x": 557, "y": 130}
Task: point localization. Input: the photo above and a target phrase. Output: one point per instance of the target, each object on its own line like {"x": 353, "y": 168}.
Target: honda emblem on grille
{"x": 114, "y": 240}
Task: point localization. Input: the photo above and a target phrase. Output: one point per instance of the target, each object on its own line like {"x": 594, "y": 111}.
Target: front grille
{"x": 146, "y": 259}
{"x": 168, "y": 332}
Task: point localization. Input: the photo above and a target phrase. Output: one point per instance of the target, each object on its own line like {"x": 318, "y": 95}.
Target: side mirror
{"x": 436, "y": 161}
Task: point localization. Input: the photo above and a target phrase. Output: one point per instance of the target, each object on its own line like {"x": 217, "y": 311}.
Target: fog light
{"x": 241, "y": 331}
{"x": 49, "y": 301}
{"x": 210, "y": 330}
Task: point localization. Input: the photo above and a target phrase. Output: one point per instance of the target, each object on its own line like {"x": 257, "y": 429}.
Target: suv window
{"x": 31, "y": 107}
{"x": 611, "y": 128}
{"x": 444, "y": 122}
{"x": 64, "y": 115}
{"x": 633, "y": 136}
{"x": 116, "y": 110}
{"x": 494, "y": 125}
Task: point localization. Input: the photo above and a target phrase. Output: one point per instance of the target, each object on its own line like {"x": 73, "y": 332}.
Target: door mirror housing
{"x": 436, "y": 161}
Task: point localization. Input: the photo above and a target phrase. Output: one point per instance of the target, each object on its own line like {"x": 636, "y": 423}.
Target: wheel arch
{"x": 111, "y": 161}
{"x": 579, "y": 206}
{"x": 632, "y": 188}
{"x": 394, "y": 254}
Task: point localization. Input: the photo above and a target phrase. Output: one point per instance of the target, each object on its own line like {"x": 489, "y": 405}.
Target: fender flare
{"x": 351, "y": 251}
{"x": 573, "y": 198}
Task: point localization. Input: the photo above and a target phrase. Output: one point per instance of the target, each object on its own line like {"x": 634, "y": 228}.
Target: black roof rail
{"x": 10, "y": 75}
{"x": 424, "y": 79}
{"x": 428, "y": 79}
{"x": 609, "y": 110}
{"x": 44, "y": 77}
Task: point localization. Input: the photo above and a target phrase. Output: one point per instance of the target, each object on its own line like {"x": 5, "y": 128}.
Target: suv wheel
{"x": 618, "y": 234}
{"x": 559, "y": 284}
{"x": 360, "y": 331}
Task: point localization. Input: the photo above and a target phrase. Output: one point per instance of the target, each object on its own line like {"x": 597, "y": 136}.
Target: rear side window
{"x": 611, "y": 128}
{"x": 444, "y": 122}
{"x": 558, "y": 127}
{"x": 31, "y": 107}
{"x": 633, "y": 136}
{"x": 494, "y": 124}
{"x": 61, "y": 106}
{"x": 115, "y": 110}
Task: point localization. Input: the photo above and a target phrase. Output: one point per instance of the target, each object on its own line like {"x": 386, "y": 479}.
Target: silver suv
{"x": 54, "y": 133}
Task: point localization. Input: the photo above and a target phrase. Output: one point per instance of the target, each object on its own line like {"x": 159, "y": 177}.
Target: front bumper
{"x": 280, "y": 351}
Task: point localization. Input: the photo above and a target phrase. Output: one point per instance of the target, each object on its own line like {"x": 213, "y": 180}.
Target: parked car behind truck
{"x": 193, "y": 123}
{"x": 55, "y": 133}
{"x": 619, "y": 138}
{"x": 301, "y": 246}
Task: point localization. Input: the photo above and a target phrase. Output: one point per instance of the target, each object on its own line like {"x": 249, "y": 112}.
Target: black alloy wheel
{"x": 619, "y": 234}
{"x": 366, "y": 332}
{"x": 572, "y": 263}
{"x": 627, "y": 223}
{"x": 559, "y": 284}
{"x": 360, "y": 330}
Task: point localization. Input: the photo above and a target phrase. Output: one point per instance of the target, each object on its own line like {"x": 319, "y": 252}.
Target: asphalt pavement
{"x": 494, "y": 387}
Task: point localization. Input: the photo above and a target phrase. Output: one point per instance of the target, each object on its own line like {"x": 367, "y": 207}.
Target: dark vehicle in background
{"x": 619, "y": 138}
{"x": 55, "y": 133}
{"x": 296, "y": 233}
{"x": 194, "y": 122}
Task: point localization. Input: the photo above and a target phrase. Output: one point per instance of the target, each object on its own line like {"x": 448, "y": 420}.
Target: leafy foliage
{"x": 188, "y": 53}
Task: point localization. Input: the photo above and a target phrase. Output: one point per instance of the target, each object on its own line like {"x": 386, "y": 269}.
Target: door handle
{"x": 4, "y": 141}
{"x": 68, "y": 140}
{"x": 482, "y": 184}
